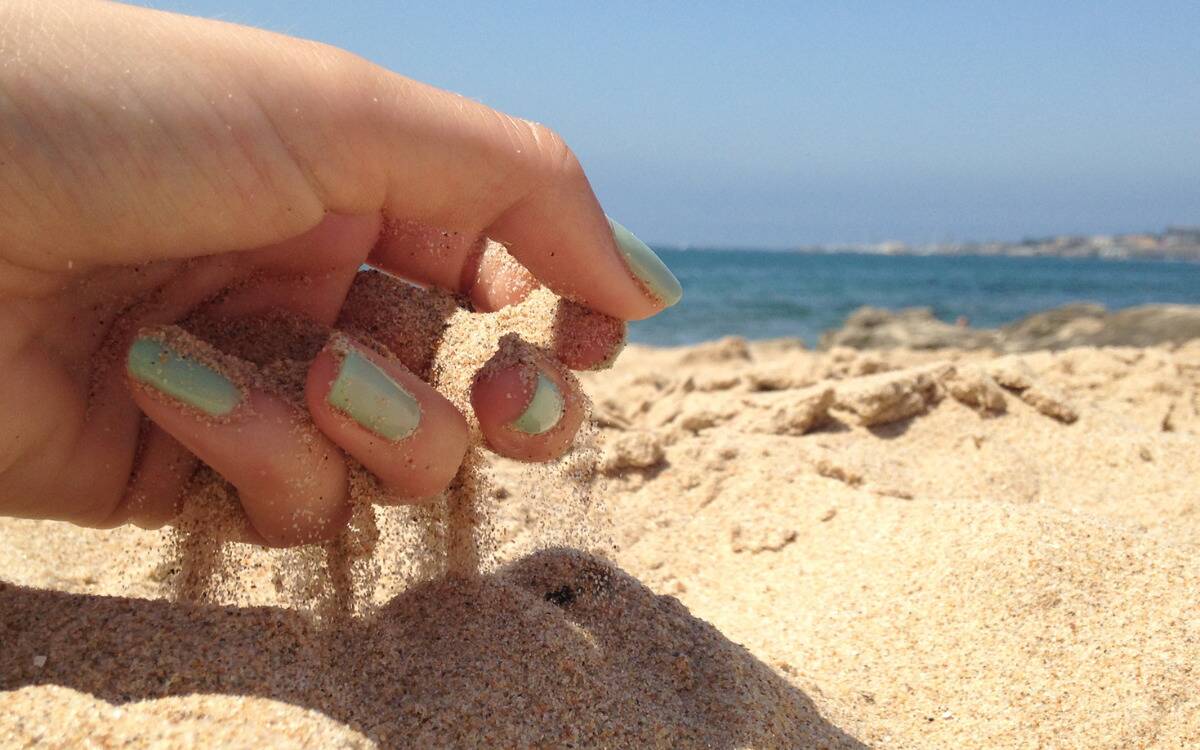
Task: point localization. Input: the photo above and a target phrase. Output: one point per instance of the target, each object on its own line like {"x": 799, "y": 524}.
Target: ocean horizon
{"x": 766, "y": 294}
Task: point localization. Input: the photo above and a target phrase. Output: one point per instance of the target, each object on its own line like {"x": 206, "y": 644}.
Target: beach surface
{"x": 843, "y": 549}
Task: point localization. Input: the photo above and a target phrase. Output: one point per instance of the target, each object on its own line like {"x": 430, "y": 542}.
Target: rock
{"x": 797, "y": 414}
{"x": 1050, "y": 401}
{"x": 760, "y": 537}
{"x": 730, "y": 348}
{"x": 1149, "y": 325}
{"x": 706, "y": 383}
{"x": 1016, "y": 375}
{"x": 608, "y": 414}
{"x": 911, "y": 328}
{"x": 772, "y": 348}
{"x": 1053, "y": 329}
{"x": 631, "y": 450}
{"x": 840, "y": 472}
{"x": 972, "y": 386}
{"x": 776, "y": 379}
{"x": 1013, "y": 373}
{"x": 696, "y": 420}
{"x": 857, "y": 363}
{"x": 890, "y": 396}
{"x": 1063, "y": 327}
{"x": 1092, "y": 325}
{"x": 656, "y": 380}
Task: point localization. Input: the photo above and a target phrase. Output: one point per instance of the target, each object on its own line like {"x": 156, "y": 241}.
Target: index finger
{"x": 540, "y": 205}
{"x": 263, "y": 135}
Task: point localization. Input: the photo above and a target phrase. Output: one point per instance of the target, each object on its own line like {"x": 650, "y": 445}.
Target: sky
{"x": 777, "y": 124}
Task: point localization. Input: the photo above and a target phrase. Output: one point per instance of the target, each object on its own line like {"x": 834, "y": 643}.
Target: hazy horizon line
{"x": 849, "y": 246}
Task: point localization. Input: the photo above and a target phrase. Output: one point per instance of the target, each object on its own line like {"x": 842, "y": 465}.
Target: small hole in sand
{"x": 561, "y": 597}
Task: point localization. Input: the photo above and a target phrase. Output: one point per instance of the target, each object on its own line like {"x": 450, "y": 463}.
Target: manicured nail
{"x": 544, "y": 410}
{"x": 369, "y": 396}
{"x": 185, "y": 379}
{"x": 647, "y": 266}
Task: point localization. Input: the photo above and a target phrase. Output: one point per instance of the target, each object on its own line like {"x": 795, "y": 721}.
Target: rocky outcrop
{"x": 1149, "y": 325}
{"x": 910, "y": 328}
{"x": 874, "y": 400}
{"x": 1060, "y": 328}
{"x": 972, "y": 386}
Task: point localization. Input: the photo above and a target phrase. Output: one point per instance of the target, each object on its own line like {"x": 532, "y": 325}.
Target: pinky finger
{"x": 527, "y": 409}
{"x": 156, "y": 487}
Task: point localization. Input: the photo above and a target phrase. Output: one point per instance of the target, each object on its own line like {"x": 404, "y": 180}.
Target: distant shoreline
{"x": 1173, "y": 244}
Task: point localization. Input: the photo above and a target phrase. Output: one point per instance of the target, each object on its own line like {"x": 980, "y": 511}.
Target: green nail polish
{"x": 544, "y": 410}
{"x": 157, "y": 365}
{"x": 370, "y": 397}
{"x": 647, "y": 266}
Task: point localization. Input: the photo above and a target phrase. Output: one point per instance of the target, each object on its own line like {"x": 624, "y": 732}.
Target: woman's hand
{"x": 150, "y": 162}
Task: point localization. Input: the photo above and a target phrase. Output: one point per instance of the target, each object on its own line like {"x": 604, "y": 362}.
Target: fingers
{"x": 583, "y": 339}
{"x": 483, "y": 173}
{"x": 287, "y": 276}
{"x": 307, "y": 275}
{"x": 528, "y": 410}
{"x": 291, "y": 478}
{"x": 261, "y": 135}
{"x": 497, "y": 280}
{"x": 395, "y": 424}
{"x": 456, "y": 261}
{"x": 464, "y": 263}
{"x": 413, "y": 323}
{"x": 155, "y": 492}
{"x": 289, "y": 471}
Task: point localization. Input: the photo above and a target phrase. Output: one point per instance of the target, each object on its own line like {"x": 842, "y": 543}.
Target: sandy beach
{"x": 664, "y": 376}
{"x": 782, "y": 548}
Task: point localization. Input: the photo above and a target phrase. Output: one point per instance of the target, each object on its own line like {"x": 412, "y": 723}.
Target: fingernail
{"x": 647, "y": 266}
{"x": 369, "y": 396}
{"x": 544, "y": 410}
{"x": 185, "y": 379}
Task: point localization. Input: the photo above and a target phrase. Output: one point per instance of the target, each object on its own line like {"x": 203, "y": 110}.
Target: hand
{"x": 155, "y": 167}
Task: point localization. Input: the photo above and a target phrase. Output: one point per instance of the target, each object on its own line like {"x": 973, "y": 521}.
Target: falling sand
{"x": 436, "y": 337}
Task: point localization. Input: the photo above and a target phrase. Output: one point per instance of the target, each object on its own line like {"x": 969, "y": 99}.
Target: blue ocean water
{"x": 760, "y": 294}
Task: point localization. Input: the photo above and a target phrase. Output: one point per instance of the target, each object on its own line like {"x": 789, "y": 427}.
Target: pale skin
{"x": 149, "y": 161}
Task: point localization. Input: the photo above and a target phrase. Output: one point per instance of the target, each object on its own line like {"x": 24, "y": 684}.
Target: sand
{"x": 797, "y": 549}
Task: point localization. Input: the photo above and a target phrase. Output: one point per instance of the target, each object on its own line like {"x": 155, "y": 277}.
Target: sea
{"x": 764, "y": 294}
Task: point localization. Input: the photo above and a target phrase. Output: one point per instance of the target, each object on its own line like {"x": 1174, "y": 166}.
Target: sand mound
{"x": 558, "y": 649}
{"x": 916, "y": 549}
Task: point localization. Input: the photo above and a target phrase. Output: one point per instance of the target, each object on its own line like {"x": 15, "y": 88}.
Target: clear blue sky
{"x": 785, "y": 123}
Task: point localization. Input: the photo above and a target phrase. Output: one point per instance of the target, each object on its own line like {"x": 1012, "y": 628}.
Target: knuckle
{"x": 554, "y": 155}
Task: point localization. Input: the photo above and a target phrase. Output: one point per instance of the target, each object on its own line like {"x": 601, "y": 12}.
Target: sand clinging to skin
{"x": 434, "y": 335}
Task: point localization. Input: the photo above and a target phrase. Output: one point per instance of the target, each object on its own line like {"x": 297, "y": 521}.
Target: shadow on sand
{"x": 558, "y": 649}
